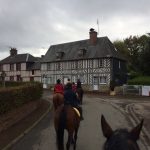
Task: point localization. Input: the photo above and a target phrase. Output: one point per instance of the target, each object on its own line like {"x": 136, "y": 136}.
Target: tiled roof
{"x": 103, "y": 48}
{"x": 18, "y": 59}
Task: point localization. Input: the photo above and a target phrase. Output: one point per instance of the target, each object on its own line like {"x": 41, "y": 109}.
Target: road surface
{"x": 90, "y": 136}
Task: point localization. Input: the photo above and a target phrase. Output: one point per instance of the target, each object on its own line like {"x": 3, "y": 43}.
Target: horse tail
{"x": 60, "y": 131}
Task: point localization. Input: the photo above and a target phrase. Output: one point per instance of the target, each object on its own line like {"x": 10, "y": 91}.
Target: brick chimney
{"x": 13, "y": 52}
{"x": 93, "y": 36}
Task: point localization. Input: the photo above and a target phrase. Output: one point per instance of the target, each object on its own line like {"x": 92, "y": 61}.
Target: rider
{"x": 68, "y": 81}
{"x": 74, "y": 87}
{"x": 59, "y": 87}
{"x": 70, "y": 98}
{"x": 78, "y": 84}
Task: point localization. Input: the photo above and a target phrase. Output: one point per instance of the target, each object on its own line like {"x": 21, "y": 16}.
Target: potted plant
{"x": 112, "y": 87}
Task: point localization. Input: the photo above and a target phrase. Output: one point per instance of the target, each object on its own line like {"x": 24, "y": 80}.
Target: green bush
{"x": 13, "y": 83}
{"x": 143, "y": 80}
{"x": 16, "y": 96}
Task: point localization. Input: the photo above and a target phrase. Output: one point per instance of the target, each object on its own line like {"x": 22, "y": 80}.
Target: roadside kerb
{"x": 28, "y": 129}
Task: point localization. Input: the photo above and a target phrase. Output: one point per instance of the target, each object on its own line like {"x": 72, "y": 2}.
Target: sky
{"x": 32, "y": 26}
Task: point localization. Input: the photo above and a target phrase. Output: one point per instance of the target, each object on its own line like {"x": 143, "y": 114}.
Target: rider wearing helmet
{"x": 59, "y": 87}
{"x": 70, "y": 98}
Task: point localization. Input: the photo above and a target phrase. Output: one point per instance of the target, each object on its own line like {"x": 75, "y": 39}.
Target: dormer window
{"x": 59, "y": 55}
{"x": 81, "y": 52}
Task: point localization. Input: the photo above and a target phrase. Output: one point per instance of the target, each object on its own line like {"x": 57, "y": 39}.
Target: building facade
{"x": 94, "y": 61}
{"x": 21, "y": 67}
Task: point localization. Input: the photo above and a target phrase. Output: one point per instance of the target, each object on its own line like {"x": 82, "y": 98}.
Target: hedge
{"x": 143, "y": 80}
{"x": 13, "y": 97}
{"x": 13, "y": 83}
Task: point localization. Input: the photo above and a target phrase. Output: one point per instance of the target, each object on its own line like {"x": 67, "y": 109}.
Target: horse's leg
{"x": 81, "y": 98}
{"x": 75, "y": 138}
{"x": 54, "y": 103}
{"x": 70, "y": 138}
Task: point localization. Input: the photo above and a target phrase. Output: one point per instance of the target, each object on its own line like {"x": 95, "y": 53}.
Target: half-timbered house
{"x": 95, "y": 61}
{"x": 21, "y": 67}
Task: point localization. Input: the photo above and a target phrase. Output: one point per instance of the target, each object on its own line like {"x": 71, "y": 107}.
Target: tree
{"x": 134, "y": 48}
{"x": 145, "y": 56}
{"x": 122, "y": 48}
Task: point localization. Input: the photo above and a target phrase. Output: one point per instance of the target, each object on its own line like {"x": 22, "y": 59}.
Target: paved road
{"x": 90, "y": 137}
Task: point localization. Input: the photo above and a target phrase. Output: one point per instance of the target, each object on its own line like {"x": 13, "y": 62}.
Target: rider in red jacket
{"x": 59, "y": 87}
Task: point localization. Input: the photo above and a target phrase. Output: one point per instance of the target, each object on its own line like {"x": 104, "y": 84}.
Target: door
{"x": 95, "y": 83}
{"x": 65, "y": 80}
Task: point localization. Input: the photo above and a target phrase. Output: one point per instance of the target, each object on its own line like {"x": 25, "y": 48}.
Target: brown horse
{"x": 120, "y": 139}
{"x": 66, "y": 118}
{"x": 58, "y": 99}
{"x": 80, "y": 92}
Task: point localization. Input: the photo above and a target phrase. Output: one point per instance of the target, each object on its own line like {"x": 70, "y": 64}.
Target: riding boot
{"x": 81, "y": 113}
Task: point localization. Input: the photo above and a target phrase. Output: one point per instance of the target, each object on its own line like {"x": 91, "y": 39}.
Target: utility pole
{"x": 98, "y": 26}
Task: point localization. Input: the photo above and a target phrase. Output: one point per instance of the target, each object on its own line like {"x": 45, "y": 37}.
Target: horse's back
{"x": 66, "y": 118}
{"x": 72, "y": 118}
{"x": 58, "y": 99}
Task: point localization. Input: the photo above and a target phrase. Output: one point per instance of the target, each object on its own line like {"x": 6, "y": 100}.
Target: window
{"x": 49, "y": 66}
{"x": 82, "y": 78}
{"x": 11, "y": 67}
{"x": 19, "y": 78}
{"x": 74, "y": 64}
{"x": 32, "y": 72}
{"x": 80, "y": 64}
{"x": 11, "y": 78}
{"x": 51, "y": 80}
{"x": 74, "y": 79}
{"x": 18, "y": 67}
{"x": 1, "y": 67}
{"x": 31, "y": 79}
{"x": 90, "y": 63}
{"x": 58, "y": 66}
{"x": 81, "y": 52}
{"x": 100, "y": 63}
{"x": 59, "y": 55}
{"x": 103, "y": 80}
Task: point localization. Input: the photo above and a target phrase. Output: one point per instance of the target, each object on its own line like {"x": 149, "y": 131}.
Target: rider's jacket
{"x": 79, "y": 85}
{"x": 59, "y": 88}
{"x": 70, "y": 98}
{"x": 74, "y": 88}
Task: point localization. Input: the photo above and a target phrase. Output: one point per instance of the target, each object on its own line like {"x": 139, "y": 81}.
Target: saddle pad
{"x": 77, "y": 111}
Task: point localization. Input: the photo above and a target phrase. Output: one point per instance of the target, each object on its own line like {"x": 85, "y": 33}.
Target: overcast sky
{"x": 32, "y": 26}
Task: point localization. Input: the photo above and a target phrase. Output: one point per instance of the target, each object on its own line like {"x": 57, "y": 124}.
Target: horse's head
{"x": 120, "y": 139}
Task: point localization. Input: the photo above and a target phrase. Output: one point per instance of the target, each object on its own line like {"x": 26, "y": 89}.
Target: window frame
{"x": 102, "y": 80}
{"x": 101, "y": 63}
{"x": 18, "y": 67}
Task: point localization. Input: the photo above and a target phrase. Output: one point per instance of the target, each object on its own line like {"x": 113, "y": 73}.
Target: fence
{"x": 136, "y": 90}
{"x": 132, "y": 89}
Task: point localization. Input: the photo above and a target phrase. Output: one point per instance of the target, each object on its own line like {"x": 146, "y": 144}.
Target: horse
{"x": 120, "y": 139}
{"x": 80, "y": 92}
{"x": 66, "y": 118}
{"x": 58, "y": 99}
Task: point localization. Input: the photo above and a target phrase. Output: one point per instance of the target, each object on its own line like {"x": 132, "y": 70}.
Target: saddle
{"x": 77, "y": 111}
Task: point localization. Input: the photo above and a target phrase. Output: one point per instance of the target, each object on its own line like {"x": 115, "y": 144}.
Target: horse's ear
{"x": 107, "y": 131}
{"x": 135, "y": 132}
